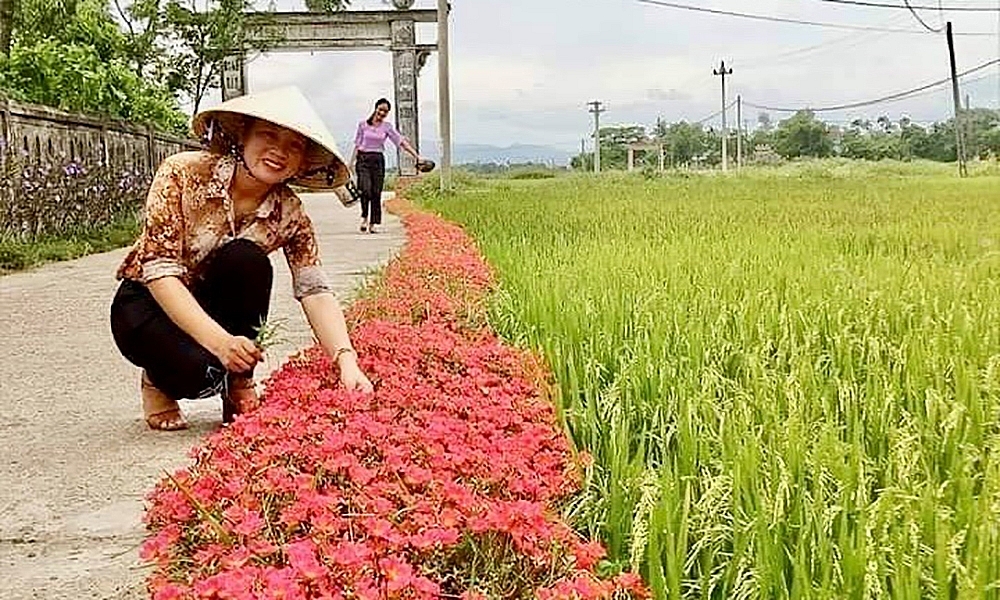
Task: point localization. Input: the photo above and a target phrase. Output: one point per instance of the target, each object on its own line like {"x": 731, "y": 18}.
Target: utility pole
{"x": 596, "y": 109}
{"x": 6, "y": 25}
{"x": 725, "y": 146}
{"x": 739, "y": 131}
{"x": 968, "y": 129}
{"x": 444, "y": 93}
{"x": 959, "y": 146}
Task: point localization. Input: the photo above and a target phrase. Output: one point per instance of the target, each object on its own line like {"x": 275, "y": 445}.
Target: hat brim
{"x": 323, "y": 168}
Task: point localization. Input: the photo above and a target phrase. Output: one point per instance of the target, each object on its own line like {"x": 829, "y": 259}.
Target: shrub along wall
{"x": 62, "y": 172}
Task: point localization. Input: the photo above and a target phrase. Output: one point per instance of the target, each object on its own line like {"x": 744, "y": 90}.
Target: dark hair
{"x": 225, "y": 135}
{"x": 379, "y": 103}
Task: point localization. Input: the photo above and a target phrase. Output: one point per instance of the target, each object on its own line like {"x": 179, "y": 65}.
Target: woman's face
{"x": 381, "y": 112}
{"x": 272, "y": 153}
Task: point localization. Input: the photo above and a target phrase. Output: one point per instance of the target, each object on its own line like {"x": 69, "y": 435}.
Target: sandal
{"x": 160, "y": 410}
{"x": 371, "y": 229}
{"x": 168, "y": 420}
{"x": 239, "y": 397}
{"x": 364, "y": 225}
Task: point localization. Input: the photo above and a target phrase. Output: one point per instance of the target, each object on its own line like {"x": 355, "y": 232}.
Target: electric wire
{"x": 916, "y": 7}
{"x": 881, "y": 100}
{"x": 713, "y": 115}
{"x": 788, "y": 20}
{"x": 784, "y": 57}
{"x": 916, "y": 16}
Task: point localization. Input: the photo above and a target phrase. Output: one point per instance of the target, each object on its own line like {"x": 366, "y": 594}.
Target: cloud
{"x": 523, "y": 70}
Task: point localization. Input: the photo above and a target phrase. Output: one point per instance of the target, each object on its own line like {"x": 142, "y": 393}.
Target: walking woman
{"x": 197, "y": 283}
{"x": 369, "y": 161}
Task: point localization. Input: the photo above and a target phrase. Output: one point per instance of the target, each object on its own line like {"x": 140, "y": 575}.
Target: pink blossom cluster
{"x": 443, "y": 484}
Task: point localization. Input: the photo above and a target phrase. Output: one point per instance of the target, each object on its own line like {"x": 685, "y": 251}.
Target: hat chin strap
{"x": 238, "y": 154}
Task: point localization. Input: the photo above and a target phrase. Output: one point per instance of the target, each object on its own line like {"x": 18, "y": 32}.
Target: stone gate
{"x": 392, "y": 30}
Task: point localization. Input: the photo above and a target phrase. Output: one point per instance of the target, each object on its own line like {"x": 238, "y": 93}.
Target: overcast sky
{"x": 522, "y": 71}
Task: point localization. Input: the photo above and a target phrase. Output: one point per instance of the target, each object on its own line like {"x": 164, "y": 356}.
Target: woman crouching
{"x": 197, "y": 283}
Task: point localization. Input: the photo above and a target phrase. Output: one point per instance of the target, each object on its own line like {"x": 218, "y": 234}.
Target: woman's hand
{"x": 238, "y": 354}
{"x": 351, "y": 375}
{"x": 327, "y": 322}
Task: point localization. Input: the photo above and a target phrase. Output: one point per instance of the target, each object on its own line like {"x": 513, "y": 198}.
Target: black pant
{"x": 234, "y": 289}
{"x": 371, "y": 177}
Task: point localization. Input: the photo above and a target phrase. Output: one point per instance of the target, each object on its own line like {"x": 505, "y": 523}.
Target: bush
{"x": 74, "y": 77}
{"x": 61, "y": 198}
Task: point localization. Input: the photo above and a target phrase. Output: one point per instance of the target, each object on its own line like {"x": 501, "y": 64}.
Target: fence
{"x": 62, "y": 171}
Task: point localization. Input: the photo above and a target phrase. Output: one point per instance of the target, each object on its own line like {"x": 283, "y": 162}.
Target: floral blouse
{"x": 189, "y": 213}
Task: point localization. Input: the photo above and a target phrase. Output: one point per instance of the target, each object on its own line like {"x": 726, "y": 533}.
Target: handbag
{"x": 350, "y": 194}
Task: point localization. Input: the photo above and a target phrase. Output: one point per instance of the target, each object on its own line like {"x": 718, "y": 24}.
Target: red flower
{"x": 324, "y": 493}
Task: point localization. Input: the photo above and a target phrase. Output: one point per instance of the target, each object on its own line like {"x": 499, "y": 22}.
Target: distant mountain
{"x": 517, "y": 153}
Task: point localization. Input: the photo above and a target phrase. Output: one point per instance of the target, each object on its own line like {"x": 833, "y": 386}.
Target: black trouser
{"x": 371, "y": 177}
{"x": 234, "y": 289}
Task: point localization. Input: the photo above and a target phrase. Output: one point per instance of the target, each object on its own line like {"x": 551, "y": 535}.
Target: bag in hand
{"x": 350, "y": 194}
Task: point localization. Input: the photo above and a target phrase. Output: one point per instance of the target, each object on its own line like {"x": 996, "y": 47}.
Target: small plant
{"x": 268, "y": 333}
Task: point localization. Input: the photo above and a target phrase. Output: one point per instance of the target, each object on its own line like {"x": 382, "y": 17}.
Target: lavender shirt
{"x": 371, "y": 138}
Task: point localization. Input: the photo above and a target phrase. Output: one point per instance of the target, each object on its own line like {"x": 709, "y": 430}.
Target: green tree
{"x": 614, "y": 144}
{"x": 982, "y": 130}
{"x": 200, "y": 38}
{"x": 683, "y": 141}
{"x": 803, "y": 135}
{"x": 71, "y": 54}
{"x": 143, "y": 20}
{"x": 6, "y": 25}
{"x": 326, "y": 5}
{"x": 583, "y": 162}
{"x": 940, "y": 145}
{"x": 74, "y": 77}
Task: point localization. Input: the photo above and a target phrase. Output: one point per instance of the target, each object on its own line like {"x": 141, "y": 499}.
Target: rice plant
{"x": 788, "y": 380}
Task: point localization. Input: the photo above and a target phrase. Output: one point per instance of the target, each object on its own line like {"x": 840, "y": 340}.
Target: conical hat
{"x": 287, "y": 107}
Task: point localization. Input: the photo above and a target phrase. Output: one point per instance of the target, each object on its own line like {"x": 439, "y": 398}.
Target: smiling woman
{"x": 197, "y": 283}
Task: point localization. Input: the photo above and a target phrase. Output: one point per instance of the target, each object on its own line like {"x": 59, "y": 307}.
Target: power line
{"x": 896, "y": 6}
{"x": 775, "y": 19}
{"x": 713, "y": 115}
{"x": 853, "y": 39}
{"x": 596, "y": 107}
{"x": 723, "y": 71}
{"x": 916, "y": 16}
{"x": 890, "y": 97}
{"x": 916, "y": 94}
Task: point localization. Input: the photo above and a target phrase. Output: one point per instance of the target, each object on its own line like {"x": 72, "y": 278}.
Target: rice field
{"x": 789, "y": 381}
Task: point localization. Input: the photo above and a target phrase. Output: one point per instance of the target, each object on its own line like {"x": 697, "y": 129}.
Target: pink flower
{"x": 588, "y": 554}
{"x": 170, "y": 591}
{"x": 302, "y": 557}
{"x": 398, "y": 574}
{"x": 324, "y": 493}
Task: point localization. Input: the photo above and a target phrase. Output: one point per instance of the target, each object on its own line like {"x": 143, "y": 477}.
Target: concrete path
{"x": 77, "y": 459}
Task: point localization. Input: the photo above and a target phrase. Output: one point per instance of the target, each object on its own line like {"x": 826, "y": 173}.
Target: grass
{"x": 17, "y": 255}
{"x": 788, "y": 379}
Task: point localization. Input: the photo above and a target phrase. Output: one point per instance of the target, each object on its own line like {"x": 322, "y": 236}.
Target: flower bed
{"x": 443, "y": 484}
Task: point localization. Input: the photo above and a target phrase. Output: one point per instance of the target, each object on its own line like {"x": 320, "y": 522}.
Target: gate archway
{"x": 391, "y": 30}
